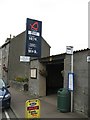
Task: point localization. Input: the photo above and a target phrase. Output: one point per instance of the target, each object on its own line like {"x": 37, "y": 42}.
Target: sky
{"x": 64, "y": 22}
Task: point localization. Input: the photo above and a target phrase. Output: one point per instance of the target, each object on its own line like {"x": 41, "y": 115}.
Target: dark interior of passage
{"x": 54, "y": 79}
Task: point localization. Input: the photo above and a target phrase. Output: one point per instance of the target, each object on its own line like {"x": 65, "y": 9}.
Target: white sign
{"x": 33, "y": 33}
{"x": 69, "y": 50}
{"x": 70, "y": 78}
{"x": 24, "y": 59}
{"x": 33, "y": 73}
{"x": 88, "y": 58}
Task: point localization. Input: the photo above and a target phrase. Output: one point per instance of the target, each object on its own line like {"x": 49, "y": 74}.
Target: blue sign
{"x": 71, "y": 81}
{"x": 33, "y": 38}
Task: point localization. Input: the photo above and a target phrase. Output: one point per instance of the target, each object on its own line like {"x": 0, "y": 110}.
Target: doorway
{"x": 54, "y": 79}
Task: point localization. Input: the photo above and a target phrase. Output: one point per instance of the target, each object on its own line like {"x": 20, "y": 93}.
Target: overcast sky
{"x": 64, "y": 22}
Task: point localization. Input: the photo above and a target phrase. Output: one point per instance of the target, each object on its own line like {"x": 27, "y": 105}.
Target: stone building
{"x": 48, "y": 73}
{"x": 49, "y": 77}
{"x": 4, "y": 57}
{"x": 11, "y": 52}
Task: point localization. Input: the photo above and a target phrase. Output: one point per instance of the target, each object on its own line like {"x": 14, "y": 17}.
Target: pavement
{"x": 48, "y": 105}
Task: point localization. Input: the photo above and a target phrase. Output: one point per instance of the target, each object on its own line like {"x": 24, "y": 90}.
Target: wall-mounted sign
{"x": 24, "y": 59}
{"x": 88, "y": 58}
{"x": 70, "y": 81}
{"x": 32, "y": 108}
{"x": 33, "y": 38}
{"x": 33, "y": 73}
{"x": 69, "y": 50}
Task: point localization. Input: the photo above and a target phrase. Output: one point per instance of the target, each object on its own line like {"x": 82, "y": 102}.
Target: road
{"x": 7, "y": 114}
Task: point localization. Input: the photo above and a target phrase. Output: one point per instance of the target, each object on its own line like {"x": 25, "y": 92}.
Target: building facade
{"x": 17, "y": 45}
{"x": 81, "y": 80}
{"x": 4, "y": 57}
{"x": 47, "y": 74}
{"x": 49, "y": 78}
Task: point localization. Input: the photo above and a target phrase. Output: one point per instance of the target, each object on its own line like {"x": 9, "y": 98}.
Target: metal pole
{"x": 72, "y": 91}
{"x": 69, "y": 50}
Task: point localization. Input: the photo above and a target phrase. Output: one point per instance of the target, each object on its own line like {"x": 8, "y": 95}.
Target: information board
{"x": 70, "y": 81}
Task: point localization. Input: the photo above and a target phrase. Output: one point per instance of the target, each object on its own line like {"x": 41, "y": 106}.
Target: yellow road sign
{"x": 32, "y": 108}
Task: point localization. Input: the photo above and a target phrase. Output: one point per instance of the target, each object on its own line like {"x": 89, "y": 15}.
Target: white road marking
{"x": 7, "y": 116}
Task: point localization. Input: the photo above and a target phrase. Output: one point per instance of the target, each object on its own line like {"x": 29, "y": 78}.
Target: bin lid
{"x": 64, "y": 91}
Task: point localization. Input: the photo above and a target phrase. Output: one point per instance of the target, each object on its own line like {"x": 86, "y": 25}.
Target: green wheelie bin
{"x": 63, "y": 100}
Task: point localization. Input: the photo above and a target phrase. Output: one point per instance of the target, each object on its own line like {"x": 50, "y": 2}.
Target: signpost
{"x": 32, "y": 109}
{"x": 69, "y": 50}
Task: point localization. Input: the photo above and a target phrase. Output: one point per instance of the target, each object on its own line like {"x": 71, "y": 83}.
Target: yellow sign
{"x": 32, "y": 108}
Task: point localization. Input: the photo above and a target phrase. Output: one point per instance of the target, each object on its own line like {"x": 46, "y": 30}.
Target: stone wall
{"x": 67, "y": 69}
{"x": 42, "y": 79}
{"x": 89, "y": 86}
{"x": 37, "y": 86}
{"x": 34, "y": 82}
{"x": 17, "y": 49}
{"x": 80, "y": 80}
